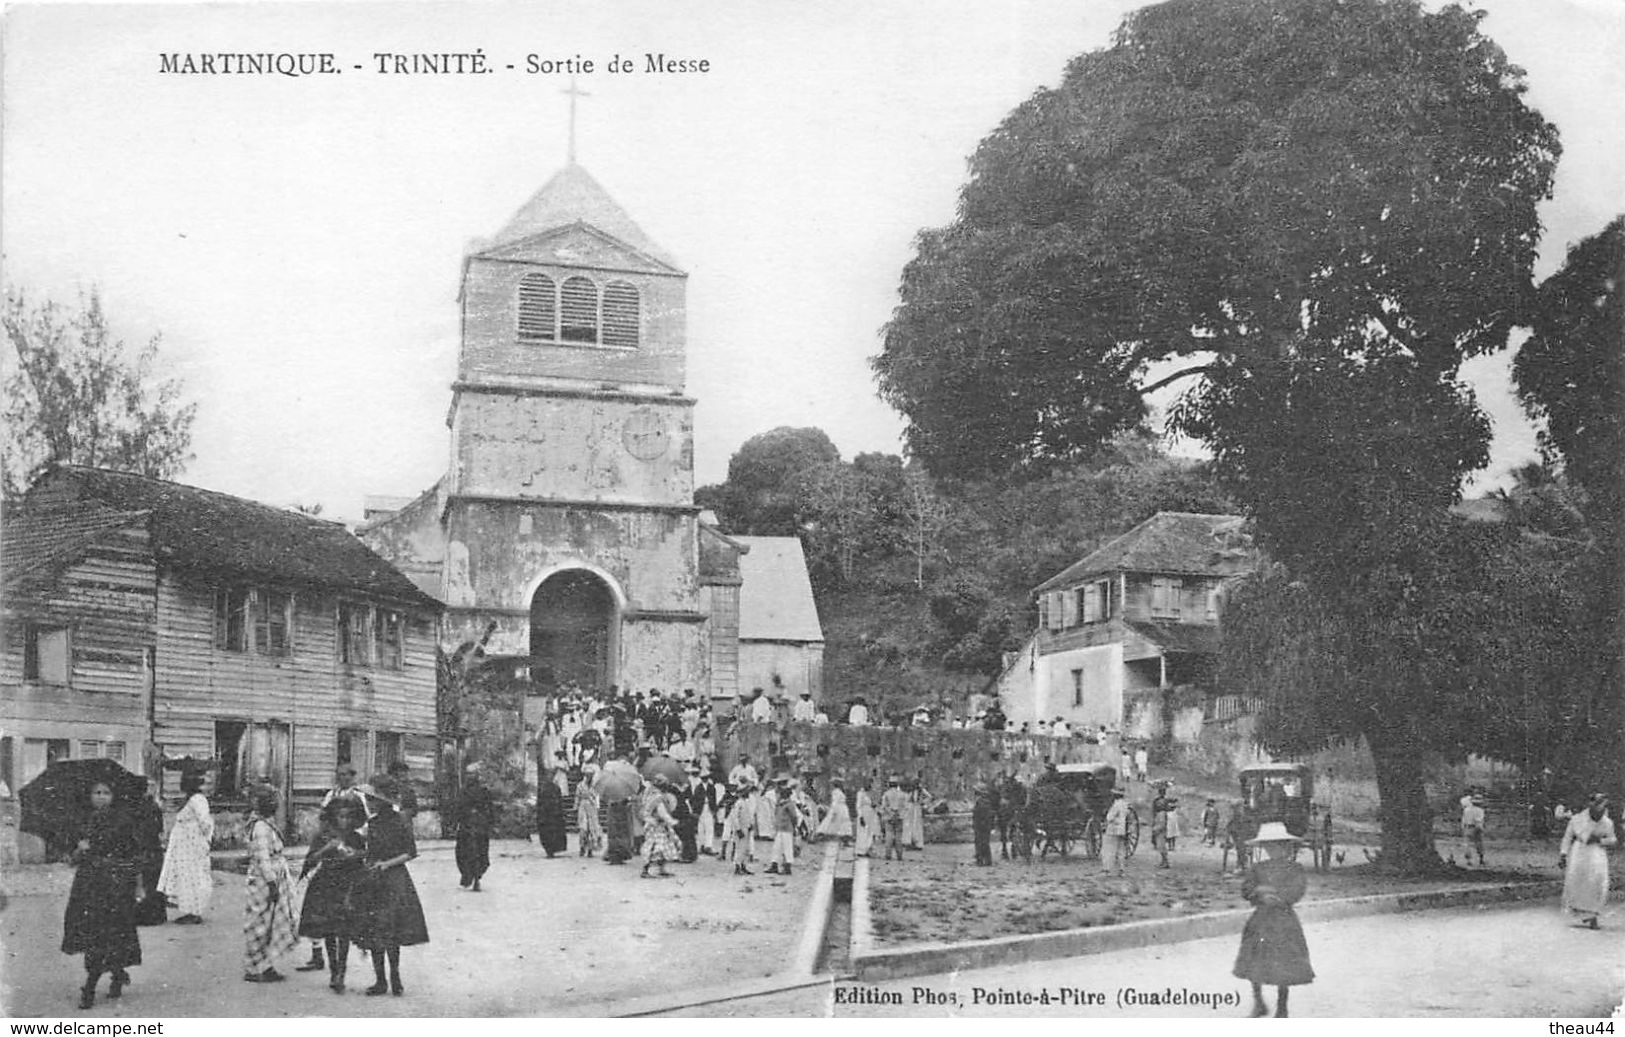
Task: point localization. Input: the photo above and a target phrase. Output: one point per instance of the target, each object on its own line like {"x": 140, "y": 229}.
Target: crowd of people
{"x": 642, "y": 778}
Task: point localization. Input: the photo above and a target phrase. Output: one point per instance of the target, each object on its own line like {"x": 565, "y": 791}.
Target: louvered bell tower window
{"x": 538, "y": 308}
{"x": 579, "y": 310}
{"x": 620, "y": 315}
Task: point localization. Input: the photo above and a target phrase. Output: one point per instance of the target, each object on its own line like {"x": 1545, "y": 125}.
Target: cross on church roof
{"x": 573, "y": 93}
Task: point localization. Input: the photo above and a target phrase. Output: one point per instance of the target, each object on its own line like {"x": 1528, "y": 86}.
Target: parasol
{"x": 57, "y": 803}
{"x": 666, "y": 767}
{"x": 619, "y": 780}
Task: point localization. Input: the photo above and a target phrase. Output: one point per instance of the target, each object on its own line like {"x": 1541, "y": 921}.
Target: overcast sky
{"x": 298, "y": 241}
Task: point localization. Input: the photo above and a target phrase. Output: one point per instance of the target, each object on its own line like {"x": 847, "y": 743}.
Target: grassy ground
{"x": 938, "y": 895}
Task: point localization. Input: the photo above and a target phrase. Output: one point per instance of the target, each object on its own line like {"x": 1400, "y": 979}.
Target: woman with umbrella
{"x": 616, "y": 786}
{"x": 101, "y": 916}
{"x": 185, "y": 879}
{"x": 268, "y": 927}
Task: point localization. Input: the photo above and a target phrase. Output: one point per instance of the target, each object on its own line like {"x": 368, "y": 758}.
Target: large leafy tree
{"x": 764, "y": 477}
{"x": 1570, "y": 373}
{"x": 1321, "y": 207}
{"x": 75, "y": 393}
{"x": 1255, "y": 181}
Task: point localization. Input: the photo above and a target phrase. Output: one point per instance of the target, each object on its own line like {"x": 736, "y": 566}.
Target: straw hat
{"x": 1274, "y": 832}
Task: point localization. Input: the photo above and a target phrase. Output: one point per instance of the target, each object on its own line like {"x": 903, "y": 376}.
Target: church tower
{"x": 567, "y": 513}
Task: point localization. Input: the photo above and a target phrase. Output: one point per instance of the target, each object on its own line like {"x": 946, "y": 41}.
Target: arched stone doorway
{"x": 573, "y": 620}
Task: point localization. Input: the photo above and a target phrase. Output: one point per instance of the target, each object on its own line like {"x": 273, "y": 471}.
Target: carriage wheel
{"x": 1131, "y": 831}
{"x": 1091, "y": 839}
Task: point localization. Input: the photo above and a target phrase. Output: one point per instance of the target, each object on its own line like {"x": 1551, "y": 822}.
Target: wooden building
{"x": 144, "y": 619}
{"x": 1126, "y": 624}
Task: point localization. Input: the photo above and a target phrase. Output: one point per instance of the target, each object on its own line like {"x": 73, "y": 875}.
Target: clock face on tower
{"x": 644, "y": 435}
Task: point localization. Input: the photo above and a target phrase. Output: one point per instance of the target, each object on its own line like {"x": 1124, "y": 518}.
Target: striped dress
{"x": 268, "y": 929}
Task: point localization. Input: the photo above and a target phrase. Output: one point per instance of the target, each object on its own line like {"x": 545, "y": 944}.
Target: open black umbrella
{"x": 56, "y": 804}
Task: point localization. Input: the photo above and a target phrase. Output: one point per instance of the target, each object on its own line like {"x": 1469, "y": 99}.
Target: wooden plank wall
{"x": 310, "y": 689}
{"x": 106, "y": 599}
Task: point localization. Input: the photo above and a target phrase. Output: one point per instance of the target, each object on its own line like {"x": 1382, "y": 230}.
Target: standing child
{"x": 107, "y": 884}
{"x": 1273, "y": 950}
{"x": 893, "y": 804}
{"x": 333, "y": 867}
{"x": 981, "y": 823}
{"x": 1210, "y": 824}
{"x": 785, "y": 817}
{"x": 391, "y": 916}
{"x": 590, "y": 834}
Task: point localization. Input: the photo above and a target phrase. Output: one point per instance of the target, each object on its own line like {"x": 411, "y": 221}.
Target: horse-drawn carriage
{"x": 1278, "y": 792}
{"x": 1069, "y": 807}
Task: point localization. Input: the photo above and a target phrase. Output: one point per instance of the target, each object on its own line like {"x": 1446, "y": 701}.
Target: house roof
{"x": 572, "y": 196}
{"x": 776, "y": 599}
{"x": 1195, "y": 638}
{"x": 1169, "y": 542}
{"x": 33, "y": 538}
{"x": 202, "y": 530}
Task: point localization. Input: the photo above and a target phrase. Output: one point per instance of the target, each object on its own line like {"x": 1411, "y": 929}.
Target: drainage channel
{"x": 836, "y": 958}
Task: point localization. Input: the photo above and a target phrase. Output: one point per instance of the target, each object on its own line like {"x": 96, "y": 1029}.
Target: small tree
{"x": 75, "y": 394}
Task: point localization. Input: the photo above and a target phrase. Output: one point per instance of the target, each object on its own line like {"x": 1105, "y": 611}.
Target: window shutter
{"x": 1055, "y": 616}
{"x": 537, "y": 308}
{"x": 1069, "y": 603}
{"x": 620, "y": 315}
{"x": 579, "y": 311}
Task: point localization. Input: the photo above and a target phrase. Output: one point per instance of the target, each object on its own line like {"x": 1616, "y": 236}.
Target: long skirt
{"x": 708, "y": 831}
{"x": 868, "y": 830}
{"x": 101, "y": 916}
{"x": 153, "y": 910}
{"x": 1585, "y": 880}
{"x": 837, "y": 824}
{"x": 330, "y": 904}
{"x": 659, "y": 842}
{"x": 390, "y": 913}
{"x": 914, "y": 826}
{"x": 268, "y": 927}
{"x": 550, "y": 831}
{"x": 473, "y": 854}
{"x": 589, "y": 831}
{"x": 1273, "y": 951}
{"x": 618, "y": 822}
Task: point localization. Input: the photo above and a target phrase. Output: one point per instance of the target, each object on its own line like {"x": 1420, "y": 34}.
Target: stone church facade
{"x": 565, "y": 527}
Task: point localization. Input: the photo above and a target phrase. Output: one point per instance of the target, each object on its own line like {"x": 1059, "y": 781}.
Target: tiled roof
{"x": 573, "y": 196}
{"x": 32, "y": 538}
{"x": 206, "y": 531}
{"x": 1169, "y": 542}
{"x": 776, "y": 598}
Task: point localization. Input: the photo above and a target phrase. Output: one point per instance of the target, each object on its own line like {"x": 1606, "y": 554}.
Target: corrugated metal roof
{"x": 776, "y": 599}
{"x": 1169, "y": 542}
{"x": 1194, "y": 638}
{"x": 573, "y": 196}
{"x": 204, "y": 530}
